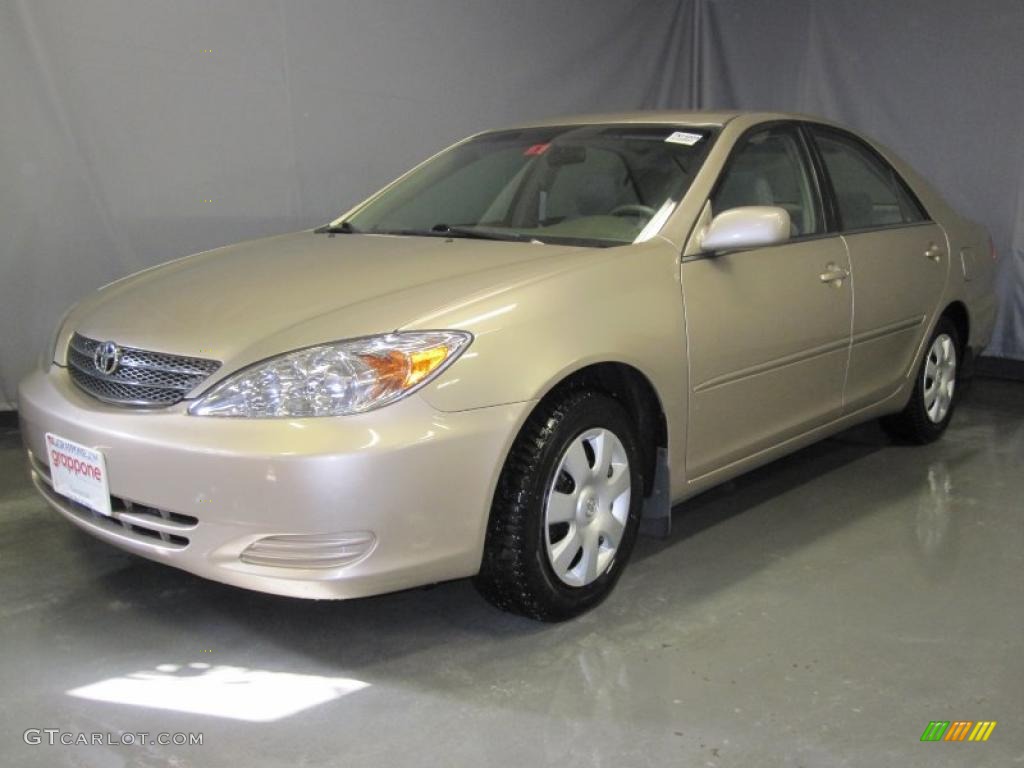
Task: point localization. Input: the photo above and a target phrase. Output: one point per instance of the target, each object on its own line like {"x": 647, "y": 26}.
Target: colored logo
{"x": 958, "y": 730}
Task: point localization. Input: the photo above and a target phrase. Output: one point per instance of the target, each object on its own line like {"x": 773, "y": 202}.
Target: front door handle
{"x": 933, "y": 252}
{"x": 834, "y": 275}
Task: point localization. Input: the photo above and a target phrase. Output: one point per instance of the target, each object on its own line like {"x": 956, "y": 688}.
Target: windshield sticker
{"x": 685, "y": 138}
{"x": 536, "y": 149}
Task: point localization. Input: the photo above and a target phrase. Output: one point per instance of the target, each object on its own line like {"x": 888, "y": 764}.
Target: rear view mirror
{"x": 566, "y": 155}
{"x": 752, "y": 226}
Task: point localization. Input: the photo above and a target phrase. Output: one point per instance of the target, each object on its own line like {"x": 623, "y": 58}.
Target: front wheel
{"x": 566, "y": 510}
{"x": 935, "y": 392}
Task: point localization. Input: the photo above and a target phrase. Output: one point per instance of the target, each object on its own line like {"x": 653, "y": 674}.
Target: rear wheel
{"x": 566, "y": 511}
{"x": 931, "y": 405}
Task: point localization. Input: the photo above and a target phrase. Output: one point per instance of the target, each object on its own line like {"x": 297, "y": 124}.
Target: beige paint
{"x": 898, "y": 277}
{"x": 749, "y": 352}
{"x": 768, "y": 344}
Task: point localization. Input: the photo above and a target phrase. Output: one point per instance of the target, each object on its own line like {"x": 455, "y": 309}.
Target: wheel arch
{"x": 632, "y": 388}
{"x": 957, "y": 312}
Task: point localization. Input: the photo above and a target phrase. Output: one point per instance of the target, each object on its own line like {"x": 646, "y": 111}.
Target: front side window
{"x": 868, "y": 191}
{"x": 581, "y": 185}
{"x": 769, "y": 167}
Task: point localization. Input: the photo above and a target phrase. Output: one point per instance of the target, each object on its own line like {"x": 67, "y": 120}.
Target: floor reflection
{"x": 237, "y": 693}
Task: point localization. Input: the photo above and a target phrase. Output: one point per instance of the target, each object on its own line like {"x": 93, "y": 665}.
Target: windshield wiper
{"x": 443, "y": 230}
{"x": 479, "y": 234}
{"x": 338, "y": 229}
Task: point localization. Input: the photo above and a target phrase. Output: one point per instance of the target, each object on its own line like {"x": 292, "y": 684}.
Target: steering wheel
{"x": 632, "y": 209}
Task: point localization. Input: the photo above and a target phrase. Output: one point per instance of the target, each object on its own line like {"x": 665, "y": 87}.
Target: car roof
{"x": 670, "y": 117}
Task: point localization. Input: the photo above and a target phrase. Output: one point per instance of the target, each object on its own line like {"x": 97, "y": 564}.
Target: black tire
{"x": 516, "y": 574}
{"x": 913, "y": 424}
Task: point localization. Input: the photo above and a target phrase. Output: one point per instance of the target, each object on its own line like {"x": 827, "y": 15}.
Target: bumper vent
{"x": 158, "y": 527}
{"x": 139, "y": 377}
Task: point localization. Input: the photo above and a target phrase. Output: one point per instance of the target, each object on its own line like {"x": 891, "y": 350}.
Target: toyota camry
{"x": 509, "y": 360}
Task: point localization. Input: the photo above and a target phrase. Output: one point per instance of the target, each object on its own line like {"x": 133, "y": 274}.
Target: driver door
{"x": 768, "y": 328}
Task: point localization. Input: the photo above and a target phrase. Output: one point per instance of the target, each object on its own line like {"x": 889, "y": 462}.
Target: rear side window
{"x": 868, "y": 191}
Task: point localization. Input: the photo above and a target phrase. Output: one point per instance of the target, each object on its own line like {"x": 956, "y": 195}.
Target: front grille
{"x": 142, "y": 378}
{"x": 138, "y": 522}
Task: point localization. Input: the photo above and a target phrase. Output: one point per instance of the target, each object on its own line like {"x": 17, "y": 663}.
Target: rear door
{"x": 768, "y": 329}
{"x": 898, "y": 260}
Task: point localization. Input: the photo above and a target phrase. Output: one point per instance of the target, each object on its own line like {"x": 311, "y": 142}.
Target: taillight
{"x": 992, "y": 250}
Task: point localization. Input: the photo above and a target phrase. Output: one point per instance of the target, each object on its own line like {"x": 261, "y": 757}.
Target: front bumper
{"x": 361, "y": 505}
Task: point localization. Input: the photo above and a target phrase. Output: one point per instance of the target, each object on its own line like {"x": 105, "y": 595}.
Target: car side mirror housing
{"x": 751, "y": 226}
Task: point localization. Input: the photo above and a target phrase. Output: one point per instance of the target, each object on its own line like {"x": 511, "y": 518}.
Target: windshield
{"x": 580, "y": 185}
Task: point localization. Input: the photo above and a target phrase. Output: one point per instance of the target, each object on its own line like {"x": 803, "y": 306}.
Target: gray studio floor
{"x": 819, "y": 612}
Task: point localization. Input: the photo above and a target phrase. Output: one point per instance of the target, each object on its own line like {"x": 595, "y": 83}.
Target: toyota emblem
{"x": 107, "y": 357}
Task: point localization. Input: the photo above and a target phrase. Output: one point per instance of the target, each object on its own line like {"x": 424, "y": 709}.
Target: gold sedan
{"x": 502, "y": 362}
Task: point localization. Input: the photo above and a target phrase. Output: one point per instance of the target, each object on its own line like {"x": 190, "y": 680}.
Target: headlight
{"x": 335, "y": 379}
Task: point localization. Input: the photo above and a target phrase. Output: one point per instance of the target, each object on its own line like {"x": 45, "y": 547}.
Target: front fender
{"x": 613, "y": 305}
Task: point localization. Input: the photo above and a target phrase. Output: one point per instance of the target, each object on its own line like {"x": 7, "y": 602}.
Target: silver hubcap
{"x": 939, "y": 378}
{"x": 587, "y": 507}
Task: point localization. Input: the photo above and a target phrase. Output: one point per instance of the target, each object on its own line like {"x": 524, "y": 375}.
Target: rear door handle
{"x": 933, "y": 252}
{"x": 834, "y": 275}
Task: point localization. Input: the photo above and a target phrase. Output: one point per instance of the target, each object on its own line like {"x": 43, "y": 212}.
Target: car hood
{"x": 247, "y": 301}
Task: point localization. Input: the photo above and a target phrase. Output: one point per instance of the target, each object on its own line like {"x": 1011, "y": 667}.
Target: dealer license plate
{"x": 78, "y": 472}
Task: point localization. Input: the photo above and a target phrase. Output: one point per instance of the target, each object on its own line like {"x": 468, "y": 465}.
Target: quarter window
{"x": 868, "y": 192}
{"x": 769, "y": 167}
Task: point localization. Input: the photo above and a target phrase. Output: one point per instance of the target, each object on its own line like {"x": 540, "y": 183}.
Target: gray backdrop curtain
{"x": 939, "y": 81}
{"x": 135, "y": 131}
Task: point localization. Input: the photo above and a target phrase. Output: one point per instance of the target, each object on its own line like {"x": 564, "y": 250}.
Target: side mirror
{"x": 752, "y": 226}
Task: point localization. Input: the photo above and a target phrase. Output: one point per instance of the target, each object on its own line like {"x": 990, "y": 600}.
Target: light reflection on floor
{"x": 221, "y": 691}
